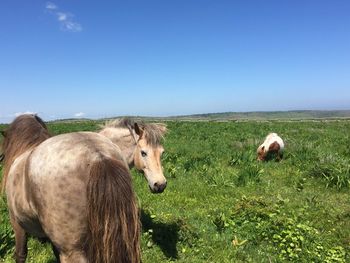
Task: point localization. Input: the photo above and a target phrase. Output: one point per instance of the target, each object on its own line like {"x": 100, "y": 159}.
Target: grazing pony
{"x": 140, "y": 144}
{"x": 74, "y": 189}
{"x": 273, "y": 145}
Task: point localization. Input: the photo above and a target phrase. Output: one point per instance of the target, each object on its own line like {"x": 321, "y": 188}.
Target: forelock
{"x": 153, "y": 132}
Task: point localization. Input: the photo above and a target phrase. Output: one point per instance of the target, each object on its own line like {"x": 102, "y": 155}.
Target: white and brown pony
{"x": 74, "y": 189}
{"x": 273, "y": 146}
{"x": 140, "y": 144}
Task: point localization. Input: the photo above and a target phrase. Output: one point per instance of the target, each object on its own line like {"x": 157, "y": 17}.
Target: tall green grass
{"x": 221, "y": 205}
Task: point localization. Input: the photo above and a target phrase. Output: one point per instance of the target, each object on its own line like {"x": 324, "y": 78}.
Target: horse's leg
{"x": 73, "y": 257}
{"x": 56, "y": 252}
{"x": 279, "y": 156}
{"x": 21, "y": 242}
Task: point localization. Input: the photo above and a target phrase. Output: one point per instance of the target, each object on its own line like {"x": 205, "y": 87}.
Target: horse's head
{"x": 140, "y": 145}
{"x": 147, "y": 155}
{"x": 261, "y": 153}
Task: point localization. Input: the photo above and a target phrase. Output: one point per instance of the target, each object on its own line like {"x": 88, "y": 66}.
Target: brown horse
{"x": 74, "y": 189}
{"x": 140, "y": 144}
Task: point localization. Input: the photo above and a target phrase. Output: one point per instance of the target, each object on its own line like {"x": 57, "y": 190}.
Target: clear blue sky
{"x": 66, "y": 58}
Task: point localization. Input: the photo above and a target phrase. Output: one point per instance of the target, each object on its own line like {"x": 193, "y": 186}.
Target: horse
{"x": 273, "y": 145}
{"x": 73, "y": 189}
{"x": 140, "y": 144}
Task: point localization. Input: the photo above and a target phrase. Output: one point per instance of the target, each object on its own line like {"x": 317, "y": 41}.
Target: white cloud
{"x": 79, "y": 114}
{"x": 62, "y": 16}
{"x": 21, "y": 113}
{"x": 51, "y": 6}
{"x": 65, "y": 19}
{"x": 67, "y": 23}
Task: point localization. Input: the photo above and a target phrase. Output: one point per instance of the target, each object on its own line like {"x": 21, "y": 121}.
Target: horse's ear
{"x": 162, "y": 127}
{"x": 138, "y": 130}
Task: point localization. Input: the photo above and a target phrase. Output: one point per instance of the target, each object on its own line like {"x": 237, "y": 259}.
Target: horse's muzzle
{"x": 158, "y": 188}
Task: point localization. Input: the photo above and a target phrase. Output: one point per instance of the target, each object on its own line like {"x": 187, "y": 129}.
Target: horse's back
{"x": 59, "y": 169}
{"x": 66, "y": 158}
{"x": 78, "y": 146}
{"x": 271, "y": 138}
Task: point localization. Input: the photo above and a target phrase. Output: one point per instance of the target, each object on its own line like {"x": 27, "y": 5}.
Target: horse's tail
{"x": 113, "y": 218}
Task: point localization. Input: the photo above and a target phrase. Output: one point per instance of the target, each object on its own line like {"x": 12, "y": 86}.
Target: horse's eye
{"x": 143, "y": 153}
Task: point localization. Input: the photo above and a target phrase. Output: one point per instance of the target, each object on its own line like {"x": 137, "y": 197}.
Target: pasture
{"x": 221, "y": 205}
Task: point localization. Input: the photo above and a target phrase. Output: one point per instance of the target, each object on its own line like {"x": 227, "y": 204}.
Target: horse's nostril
{"x": 158, "y": 187}
{"x": 162, "y": 187}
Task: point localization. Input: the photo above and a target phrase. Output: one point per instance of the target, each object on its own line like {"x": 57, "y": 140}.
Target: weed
{"x": 266, "y": 223}
{"x": 249, "y": 174}
{"x": 335, "y": 173}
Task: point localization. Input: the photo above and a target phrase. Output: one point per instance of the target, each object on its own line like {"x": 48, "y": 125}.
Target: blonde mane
{"x": 153, "y": 132}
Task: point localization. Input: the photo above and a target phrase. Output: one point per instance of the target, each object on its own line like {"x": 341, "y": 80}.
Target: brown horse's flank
{"x": 24, "y": 133}
{"x": 110, "y": 213}
{"x": 274, "y": 147}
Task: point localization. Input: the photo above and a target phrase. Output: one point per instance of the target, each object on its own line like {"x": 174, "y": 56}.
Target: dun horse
{"x": 74, "y": 189}
{"x": 140, "y": 144}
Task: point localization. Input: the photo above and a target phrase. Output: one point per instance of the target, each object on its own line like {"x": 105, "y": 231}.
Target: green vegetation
{"x": 221, "y": 205}
{"x": 270, "y": 115}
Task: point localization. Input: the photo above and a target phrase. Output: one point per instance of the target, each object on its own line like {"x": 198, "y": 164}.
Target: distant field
{"x": 221, "y": 205}
{"x": 269, "y": 115}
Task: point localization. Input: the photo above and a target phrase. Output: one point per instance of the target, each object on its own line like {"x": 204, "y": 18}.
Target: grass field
{"x": 221, "y": 205}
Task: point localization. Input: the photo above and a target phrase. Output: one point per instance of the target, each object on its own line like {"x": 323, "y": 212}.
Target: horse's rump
{"x": 76, "y": 190}
{"x": 86, "y": 199}
{"x": 59, "y": 172}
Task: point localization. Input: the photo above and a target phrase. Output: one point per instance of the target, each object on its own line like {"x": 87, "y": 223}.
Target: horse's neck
{"x": 125, "y": 141}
